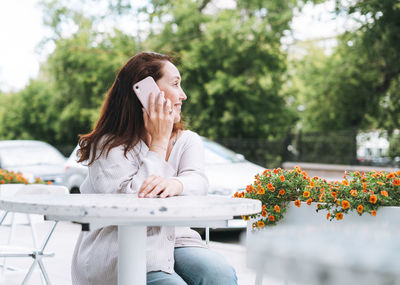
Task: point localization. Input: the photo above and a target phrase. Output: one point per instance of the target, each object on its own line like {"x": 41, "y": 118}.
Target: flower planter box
{"x": 307, "y": 216}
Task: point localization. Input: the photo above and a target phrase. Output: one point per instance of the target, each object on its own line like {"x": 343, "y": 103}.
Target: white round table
{"x": 132, "y": 215}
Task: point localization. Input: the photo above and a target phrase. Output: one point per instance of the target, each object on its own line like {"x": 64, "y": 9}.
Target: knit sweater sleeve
{"x": 191, "y": 167}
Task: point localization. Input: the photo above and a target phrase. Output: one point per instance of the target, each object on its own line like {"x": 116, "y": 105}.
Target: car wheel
{"x": 75, "y": 190}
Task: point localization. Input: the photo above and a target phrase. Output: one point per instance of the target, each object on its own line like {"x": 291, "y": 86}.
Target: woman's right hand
{"x": 159, "y": 122}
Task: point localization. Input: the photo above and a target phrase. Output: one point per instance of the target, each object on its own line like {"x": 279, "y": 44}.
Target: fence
{"x": 331, "y": 147}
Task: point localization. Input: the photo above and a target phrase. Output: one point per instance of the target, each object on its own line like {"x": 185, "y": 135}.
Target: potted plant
{"x": 11, "y": 182}
{"x": 362, "y": 193}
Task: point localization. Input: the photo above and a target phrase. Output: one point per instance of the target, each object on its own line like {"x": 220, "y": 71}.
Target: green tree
{"x": 357, "y": 85}
{"x": 28, "y": 114}
{"x": 232, "y": 65}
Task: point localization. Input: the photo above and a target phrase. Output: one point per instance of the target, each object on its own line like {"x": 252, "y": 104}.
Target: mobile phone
{"x": 143, "y": 88}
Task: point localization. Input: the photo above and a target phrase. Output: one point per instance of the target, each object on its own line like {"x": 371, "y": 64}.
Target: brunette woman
{"x": 131, "y": 151}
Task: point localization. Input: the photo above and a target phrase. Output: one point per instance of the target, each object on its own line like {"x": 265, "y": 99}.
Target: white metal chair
{"x": 36, "y": 253}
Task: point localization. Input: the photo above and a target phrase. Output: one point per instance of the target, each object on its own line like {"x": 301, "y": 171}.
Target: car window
{"x": 216, "y": 153}
{"x": 29, "y": 155}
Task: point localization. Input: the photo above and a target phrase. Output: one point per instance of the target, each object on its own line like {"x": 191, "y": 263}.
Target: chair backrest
{"x": 34, "y": 189}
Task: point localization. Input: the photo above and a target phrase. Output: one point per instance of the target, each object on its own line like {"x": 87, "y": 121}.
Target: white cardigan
{"x": 95, "y": 256}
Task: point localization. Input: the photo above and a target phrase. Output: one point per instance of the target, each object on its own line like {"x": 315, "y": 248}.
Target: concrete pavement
{"x": 63, "y": 242}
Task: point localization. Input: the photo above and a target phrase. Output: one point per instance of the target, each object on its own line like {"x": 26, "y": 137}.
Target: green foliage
{"x": 357, "y": 85}
{"x": 232, "y": 67}
{"x": 83, "y": 70}
{"x": 28, "y": 114}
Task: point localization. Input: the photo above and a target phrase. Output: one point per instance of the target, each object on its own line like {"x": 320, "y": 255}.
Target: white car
{"x": 226, "y": 170}
{"x": 74, "y": 173}
{"x": 35, "y": 159}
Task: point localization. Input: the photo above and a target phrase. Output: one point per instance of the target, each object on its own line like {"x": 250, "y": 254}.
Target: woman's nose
{"x": 182, "y": 96}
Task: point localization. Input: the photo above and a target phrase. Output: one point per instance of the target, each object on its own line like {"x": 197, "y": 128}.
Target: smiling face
{"x": 170, "y": 83}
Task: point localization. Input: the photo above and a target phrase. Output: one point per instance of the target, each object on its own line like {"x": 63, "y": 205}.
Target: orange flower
{"x": 266, "y": 171}
{"x": 236, "y": 195}
{"x": 246, "y": 218}
{"x": 271, "y": 218}
{"x": 398, "y": 173}
{"x": 264, "y": 207}
{"x": 306, "y": 194}
{"x": 373, "y": 199}
{"x": 384, "y": 193}
{"x": 396, "y": 182}
{"x": 241, "y": 195}
{"x": 298, "y": 169}
{"x": 345, "y": 183}
{"x": 339, "y": 216}
{"x": 260, "y": 224}
{"x": 380, "y": 183}
{"x": 328, "y": 215}
{"x": 282, "y": 178}
{"x": 2, "y": 182}
{"x": 364, "y": 185}
{"x": 249, "y": 188}
{"x": 297, "y": 203}
{"x": 312, "y": 184}
{"x": 264, "y": 213}
{"x": 353, "y": 193}
{"x": 373, "y": 213}
{"x": 271, "y": 187}
{"x": 360, "y": 208}
{"x": 333, "y": 194}
{"x": 277, "y": 209}
{"x": 391, "y": 175}
{"x": 261, "y": 191}
{"x": 357, "y": 173}
{"x": 315, "y": 178}
{"x": 345, "y": 204}
{"x": 309, "y": 202}
{"x": 282, "y": 192}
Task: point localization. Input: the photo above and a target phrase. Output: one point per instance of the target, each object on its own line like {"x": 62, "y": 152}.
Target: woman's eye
{"x": 176, "y": 83}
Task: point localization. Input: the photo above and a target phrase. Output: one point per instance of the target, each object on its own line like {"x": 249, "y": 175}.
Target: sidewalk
{"x": 63, "y": 242}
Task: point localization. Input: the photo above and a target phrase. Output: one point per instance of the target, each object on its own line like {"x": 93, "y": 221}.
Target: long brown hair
{"x": 121, "y": 119}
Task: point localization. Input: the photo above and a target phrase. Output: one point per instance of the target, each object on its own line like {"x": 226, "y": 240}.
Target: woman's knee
{"x": 218, "y": 275}
{"x": 163, "y": 278}
{"x": 204, "y": 266}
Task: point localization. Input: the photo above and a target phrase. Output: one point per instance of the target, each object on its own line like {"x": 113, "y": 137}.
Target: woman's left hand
{"x": 157, "y": 185}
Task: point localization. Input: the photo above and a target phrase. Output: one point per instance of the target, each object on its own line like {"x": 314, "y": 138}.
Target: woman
{"x": 130, "y": 151}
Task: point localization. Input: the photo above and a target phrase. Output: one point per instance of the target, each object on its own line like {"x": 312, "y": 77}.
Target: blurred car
{"x": 35, "y": 159}
{"x": 74, "y": 172}
{"x": 227, "y": 172}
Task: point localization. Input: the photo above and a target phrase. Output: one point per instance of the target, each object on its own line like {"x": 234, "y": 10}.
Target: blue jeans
{"x": 196, "y": 266}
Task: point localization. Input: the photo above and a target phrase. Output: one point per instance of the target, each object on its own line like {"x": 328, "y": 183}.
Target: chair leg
{"x": 33, "y": 231}
{"x": 10, "y": 235}
{"x": 28, "y": 275}
{"x": 44, "y": 272}
{"x": 3, "y": 217}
